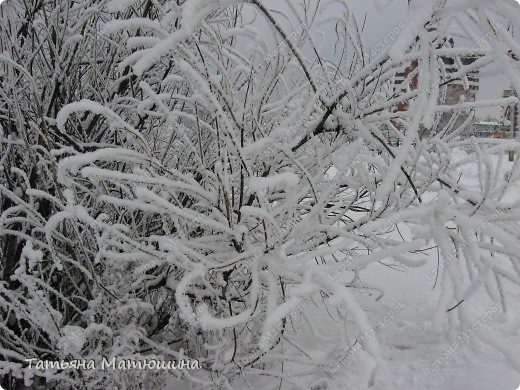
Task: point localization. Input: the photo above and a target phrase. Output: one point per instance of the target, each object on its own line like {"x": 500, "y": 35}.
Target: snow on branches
{"x": 181, "y": 178}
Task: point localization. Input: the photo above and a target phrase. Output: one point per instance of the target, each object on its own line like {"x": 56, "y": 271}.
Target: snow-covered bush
{"x": 182, "y": 178}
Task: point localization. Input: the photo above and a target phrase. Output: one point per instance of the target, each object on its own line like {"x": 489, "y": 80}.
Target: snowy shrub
{"x": 179, "y": 179}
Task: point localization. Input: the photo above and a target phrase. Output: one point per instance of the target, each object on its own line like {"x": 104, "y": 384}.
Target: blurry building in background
{"x": 511, "y": 114}
{"x": 452, "y": 90}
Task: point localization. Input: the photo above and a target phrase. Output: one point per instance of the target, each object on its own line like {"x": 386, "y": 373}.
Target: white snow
{"x": 285, "y": 180}
{"x": 73, "y": 339}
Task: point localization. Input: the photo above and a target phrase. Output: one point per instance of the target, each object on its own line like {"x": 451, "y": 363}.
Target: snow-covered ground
{"x": 410, "y": 345}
